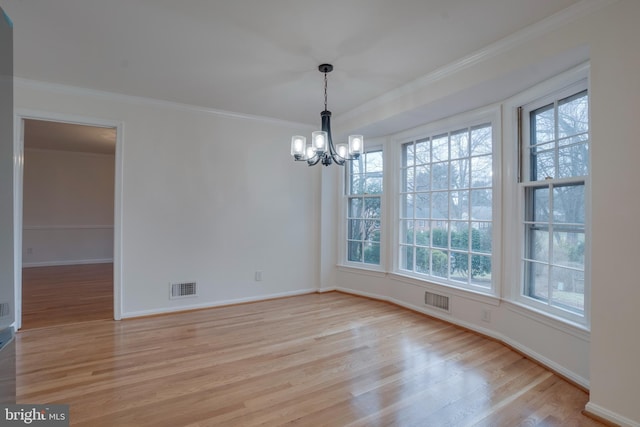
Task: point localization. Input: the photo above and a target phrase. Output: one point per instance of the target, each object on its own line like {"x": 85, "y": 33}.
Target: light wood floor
{"x": 313, "y": 360}
{"x": 66, "y": 294}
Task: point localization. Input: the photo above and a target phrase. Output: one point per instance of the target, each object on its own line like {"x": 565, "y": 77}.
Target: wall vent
{"x": 440, "y": 302}
{"x": 182, "y": 290}
{"x": 5, "y": 309}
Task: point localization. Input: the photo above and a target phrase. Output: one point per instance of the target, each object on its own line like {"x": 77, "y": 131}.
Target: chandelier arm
{"x": 314, "y": 160}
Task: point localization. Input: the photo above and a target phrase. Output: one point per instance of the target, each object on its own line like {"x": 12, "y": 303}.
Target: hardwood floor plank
{"x": 66, "y": 294}
{"x": 313, "y": 360}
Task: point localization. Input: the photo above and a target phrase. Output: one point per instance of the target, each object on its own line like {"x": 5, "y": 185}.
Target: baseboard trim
{"x": 215, "y": 304}
{"x": 67, "y": 262}
{"x": 608, "y": 417}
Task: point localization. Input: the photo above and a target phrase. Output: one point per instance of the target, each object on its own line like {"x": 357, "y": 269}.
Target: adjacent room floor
{"x": 66, "y": 294}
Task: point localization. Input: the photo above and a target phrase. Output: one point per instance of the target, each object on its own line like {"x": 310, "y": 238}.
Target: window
{"x": 446, "y": 205}
{"x": 554, "y": 170}
{"x": 364, "y": 197}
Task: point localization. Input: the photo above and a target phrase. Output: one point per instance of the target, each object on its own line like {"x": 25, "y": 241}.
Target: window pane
{"x": 406, "y": 257}
{"x": 357, "y": 184}
{"x": 408, "y": 179}
{"x": 481, "y": 270}
{"x": 542, "y": 164}
{"x": 373, "y": 185}
{"x": 481, "y": 205}
{"x": 356, "y": 229}
{"x": 481, "y": 171}
{"x": 542, "y": 125}
{"x": 440, "y": 263}
{"x": 422, "y": 205}
{"x": 440, "y": 205}
{"x": 422, "y": 260}
{"x": 422, "y": 178}
{"x": 568, "y": 204}
{"x": 481, "y": 237}
{"x": 406, "y": 233}
{"x": 423, "y": 152}
{"x": 459, "y": 204}
{"x": 373, "y": 234}
{"x": 440, "y": 176}
{"x": 567, "y": 289}
{"x": 460, "y": 144}
{"x": 538, "y": 204}
{"x": 568, "y": 249}
{"x": 371, "y": 207}
{"x": 440, "y": 234}
{"x": 373, "y": 161}
{"x": 460, "y": 235}
{"x": 408, "y": 154}
{"x": 573, "y": 115}
{"x": 355, "y": 251}
{"x": 422, "y": 234}
{"x": 357, "y": 165}
{"x": 537, "y": 280}
{"x": 459, "y": 174}
{"x": 440, "y": 148}
{"x": 372, "y": 253}
{"x": 481, "y": 142}
{"x": 538, "y": 245}
{"x": 573, "y": 161}
{"x": 459, "y": 268}
{"x": 355, "y": 208}
{"x": 406, "y": 210}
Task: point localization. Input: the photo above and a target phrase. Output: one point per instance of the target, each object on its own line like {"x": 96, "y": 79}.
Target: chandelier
{"x": 321, "y": 148}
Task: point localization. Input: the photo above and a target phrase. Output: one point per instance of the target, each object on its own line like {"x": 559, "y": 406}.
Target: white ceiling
{"x": 257, "y": 57}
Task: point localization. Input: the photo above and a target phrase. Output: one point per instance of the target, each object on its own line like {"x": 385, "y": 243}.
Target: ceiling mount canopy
{"x": 321, "y": 148}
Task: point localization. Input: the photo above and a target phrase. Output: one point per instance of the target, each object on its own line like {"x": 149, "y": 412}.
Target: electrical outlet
{"x": 486, "y": 315}
{"x": 29, "y": 251}
{"x": 258, "y": 276}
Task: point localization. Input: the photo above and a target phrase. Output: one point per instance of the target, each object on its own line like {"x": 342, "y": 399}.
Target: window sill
{"x": 578, "y": 330}
{"x": 369, "y": 271}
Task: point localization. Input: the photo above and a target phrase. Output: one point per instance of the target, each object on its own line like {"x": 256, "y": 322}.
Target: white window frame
{"x": 515, "y": 169}
{"x": 492, "y": 115}
{"x": 344, "y": 182}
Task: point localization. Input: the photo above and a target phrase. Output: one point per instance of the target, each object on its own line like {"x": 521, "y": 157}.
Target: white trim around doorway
{"x": 19, "y": 116}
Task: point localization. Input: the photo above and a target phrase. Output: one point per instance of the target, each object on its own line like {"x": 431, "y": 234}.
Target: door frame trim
{"x": 18, "y": 169}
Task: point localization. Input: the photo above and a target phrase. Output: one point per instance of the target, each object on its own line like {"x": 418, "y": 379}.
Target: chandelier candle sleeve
{"x": 321, "y": 148}
{"x": 298, "y": 146}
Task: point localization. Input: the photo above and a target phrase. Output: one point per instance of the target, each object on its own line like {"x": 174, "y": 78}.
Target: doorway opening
{"x": 68, "y": 191}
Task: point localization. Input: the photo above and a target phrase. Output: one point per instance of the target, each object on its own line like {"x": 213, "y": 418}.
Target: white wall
{"x": 606, "y": 359}
{"x": 67, "y": 207}
{"x": 206, "y": 197}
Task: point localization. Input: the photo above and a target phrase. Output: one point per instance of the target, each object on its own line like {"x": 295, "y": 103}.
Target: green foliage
{"x": 480, "y": 242}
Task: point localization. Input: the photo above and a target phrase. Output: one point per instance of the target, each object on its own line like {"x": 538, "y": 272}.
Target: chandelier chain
{"x": 325, "y": 91}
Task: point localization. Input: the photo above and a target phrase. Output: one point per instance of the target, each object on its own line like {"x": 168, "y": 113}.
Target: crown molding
{"x": 150, "y": 102}
{"x": 551, "y": 23}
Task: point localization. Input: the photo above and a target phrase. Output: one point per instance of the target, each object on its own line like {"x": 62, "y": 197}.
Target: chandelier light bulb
{"x": 298, "y": 144}
{"x": 342, "y": 150}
